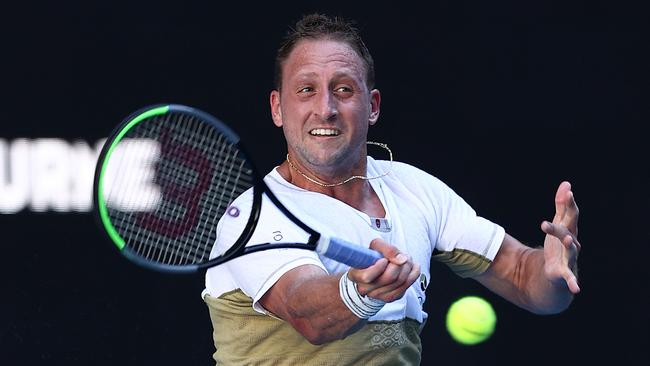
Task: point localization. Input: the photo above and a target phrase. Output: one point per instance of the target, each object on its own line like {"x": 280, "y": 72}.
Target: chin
{"x": 333, "y": 160}
{"x": 325, "y": 157}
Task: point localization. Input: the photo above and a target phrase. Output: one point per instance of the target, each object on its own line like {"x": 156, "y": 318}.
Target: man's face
{"x": 324, "y": 106}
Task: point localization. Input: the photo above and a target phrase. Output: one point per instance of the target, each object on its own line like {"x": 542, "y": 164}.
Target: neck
{"x": 322, "y": 180}
{"x": 356, "y": 193}
{"x": 360, "y": 166}
{"x": 353, "y": 188}
{"x": 334, "y": 178}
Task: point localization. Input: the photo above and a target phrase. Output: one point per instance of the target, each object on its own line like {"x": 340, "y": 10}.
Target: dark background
{"x": 501, "y": 100}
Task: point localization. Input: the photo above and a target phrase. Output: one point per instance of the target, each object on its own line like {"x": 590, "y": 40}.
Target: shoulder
{"x": 410, "y": 176}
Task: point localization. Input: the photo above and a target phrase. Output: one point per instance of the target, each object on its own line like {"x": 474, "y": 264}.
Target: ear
{"x": 276, "y": 111}
{"x": 375, "y": 101}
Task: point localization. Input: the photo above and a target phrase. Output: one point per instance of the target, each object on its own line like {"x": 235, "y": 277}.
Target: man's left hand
{"x": 561, "y": 246}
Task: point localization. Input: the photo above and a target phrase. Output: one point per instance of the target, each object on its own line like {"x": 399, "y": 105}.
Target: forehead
{"x": 309, "y": 56}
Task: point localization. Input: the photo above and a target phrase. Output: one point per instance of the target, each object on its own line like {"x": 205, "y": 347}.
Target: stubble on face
{"x": 325, "y": 108}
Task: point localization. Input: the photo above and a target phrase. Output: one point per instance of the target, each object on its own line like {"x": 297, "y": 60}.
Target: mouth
{"x": 324, "y": 132}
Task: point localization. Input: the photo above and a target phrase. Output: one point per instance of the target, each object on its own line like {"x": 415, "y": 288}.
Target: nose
{"x": 327, "y": 107}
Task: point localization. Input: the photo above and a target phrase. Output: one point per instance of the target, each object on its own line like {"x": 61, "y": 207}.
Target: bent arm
{"x": 518, "y": 275}
{"x": 541, "y": 280}
{"x": 308, "y": 298}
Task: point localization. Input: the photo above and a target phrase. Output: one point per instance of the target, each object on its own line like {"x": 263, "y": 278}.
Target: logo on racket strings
{"x": 186, "y": 195}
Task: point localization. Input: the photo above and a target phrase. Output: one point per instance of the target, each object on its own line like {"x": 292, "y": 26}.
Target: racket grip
{"x": 346, "y": 252}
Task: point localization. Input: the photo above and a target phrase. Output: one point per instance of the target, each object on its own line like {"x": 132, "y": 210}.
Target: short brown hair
{"x": 319, "y": 26}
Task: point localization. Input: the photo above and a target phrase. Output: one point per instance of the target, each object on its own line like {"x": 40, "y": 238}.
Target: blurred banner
{"x": 47, "y": 174}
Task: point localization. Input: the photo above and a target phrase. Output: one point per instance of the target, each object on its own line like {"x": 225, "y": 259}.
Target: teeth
{"x": 324, "y": 132}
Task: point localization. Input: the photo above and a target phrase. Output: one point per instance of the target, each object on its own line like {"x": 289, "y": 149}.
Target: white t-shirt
{"x": 423, "y": 217}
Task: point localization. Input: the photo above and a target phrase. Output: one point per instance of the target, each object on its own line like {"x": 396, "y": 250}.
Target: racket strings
{"x": 212, "y": 211}
{"x": 187, "y": 252}
{"x": 180, "y": 178}
{"x": 198, "y": 172}
{"x": 189, "y": 255}
{"x": 193, "y": 253}
{"x": 227, "y": 195}
{"x": 121, "y": 192}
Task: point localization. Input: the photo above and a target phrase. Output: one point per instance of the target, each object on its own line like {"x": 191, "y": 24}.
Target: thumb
{"x": 391, "y": 252}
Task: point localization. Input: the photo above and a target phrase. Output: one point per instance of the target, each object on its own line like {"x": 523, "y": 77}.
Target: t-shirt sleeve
{"x": 464, "y": 241}
{"x": 254, "y": 274}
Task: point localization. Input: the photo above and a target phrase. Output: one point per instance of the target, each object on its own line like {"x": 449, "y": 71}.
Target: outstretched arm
{"x": 542, "y": 280}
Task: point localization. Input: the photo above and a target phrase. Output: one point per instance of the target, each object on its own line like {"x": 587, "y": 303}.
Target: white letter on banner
{"x": 83, "y": 159}
{"x": 129, "y": 183}
{"x": 51, "y": 173}
{"x": 14, "y": 175}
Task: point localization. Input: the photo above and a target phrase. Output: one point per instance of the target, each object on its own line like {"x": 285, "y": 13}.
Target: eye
{"x": 342, "y": 89}
{"x": 305, "y": 89}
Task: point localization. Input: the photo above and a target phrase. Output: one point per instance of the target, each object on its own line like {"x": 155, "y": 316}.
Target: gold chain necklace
{"x": 322, "y": 184}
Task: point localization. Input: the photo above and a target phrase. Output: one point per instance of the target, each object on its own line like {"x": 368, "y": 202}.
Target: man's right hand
{"x": 389, "y": 277}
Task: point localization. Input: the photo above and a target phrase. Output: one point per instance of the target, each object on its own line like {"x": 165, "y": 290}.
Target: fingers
{"x": 566, "y": 209}
{"x": 564, "y": 274}
{"x": 389, "y": 277}
{"x": 571, "y": 217}
{"x": 562, "y": 233}
{"x": 396, "y": 290}
{"x": 560, "y": 201}
{"x": 557, "y": 230}
{"x": 572, "y": 282}
{"x": 393, "y": 276}
{"x": 392, "y": 256}
{"x": 390, "y": 252}
{"x": 370, "y": 274}
{"x": 560, "y": 257}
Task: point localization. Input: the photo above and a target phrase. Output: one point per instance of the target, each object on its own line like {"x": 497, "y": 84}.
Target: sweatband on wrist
{"x": 362, "y": 306}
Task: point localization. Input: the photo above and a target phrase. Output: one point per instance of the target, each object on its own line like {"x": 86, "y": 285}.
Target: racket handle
{"x": 346, "y": 252}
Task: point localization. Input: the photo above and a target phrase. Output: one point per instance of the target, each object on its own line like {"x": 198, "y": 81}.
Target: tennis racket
{"x": 168, "y": 174}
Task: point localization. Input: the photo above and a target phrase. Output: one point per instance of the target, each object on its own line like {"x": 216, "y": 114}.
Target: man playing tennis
{"x": 290, "y": 306}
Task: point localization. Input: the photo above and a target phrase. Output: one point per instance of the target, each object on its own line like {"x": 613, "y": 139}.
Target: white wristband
{"x": 362, "y": 306}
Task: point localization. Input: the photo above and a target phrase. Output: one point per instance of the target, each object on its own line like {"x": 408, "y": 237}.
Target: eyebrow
{"x": 337, "y": 75}
{"x": 305, "y": 75}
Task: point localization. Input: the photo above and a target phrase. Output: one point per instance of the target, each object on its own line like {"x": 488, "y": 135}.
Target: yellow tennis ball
{"x": 471, "y": 320}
